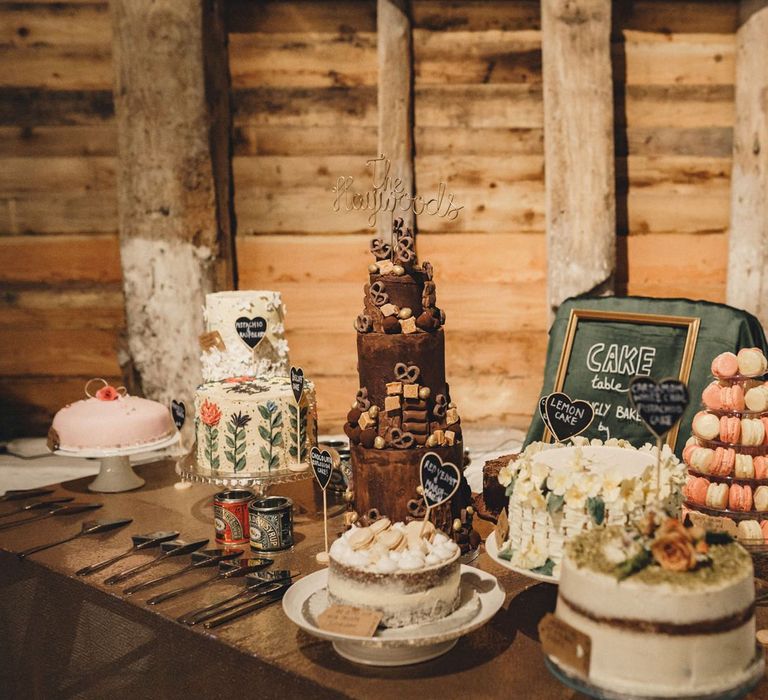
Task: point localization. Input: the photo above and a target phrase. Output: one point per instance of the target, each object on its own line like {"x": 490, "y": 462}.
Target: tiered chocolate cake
{"x": 403, "y": 408}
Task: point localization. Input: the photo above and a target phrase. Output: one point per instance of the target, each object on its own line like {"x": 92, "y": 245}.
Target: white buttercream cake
{"x": 668, "y": 612}
{"x": 240, "y": 317}
{"x": 248, "y": 426}
{"x": 558, "y": 491}
{"x": 392, "y": 568}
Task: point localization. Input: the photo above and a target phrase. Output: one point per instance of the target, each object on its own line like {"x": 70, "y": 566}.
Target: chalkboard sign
{"x": 598, "y": 345}
{"x": 439, "y": 480}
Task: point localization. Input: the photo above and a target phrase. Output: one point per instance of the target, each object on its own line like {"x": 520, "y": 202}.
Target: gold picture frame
{"x": 692, "y": 323}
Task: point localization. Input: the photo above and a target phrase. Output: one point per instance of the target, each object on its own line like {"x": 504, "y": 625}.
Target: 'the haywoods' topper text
{"x": 388, "y": 194}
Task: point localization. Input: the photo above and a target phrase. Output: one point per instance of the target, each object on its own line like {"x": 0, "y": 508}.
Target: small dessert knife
{"x": 261, "y": 600}
{"x": 54, "y": 510}
{"x": 200, "y": 560}
{"x": 38, "y": 505}
{"x": 255, "y": 587}
{"x": 21, "y": 494}
{"x": 140, "y": 543}
{"x": 174, "y": 548}
{"x": 227, "y": 570}
{"x": 89, "y": 527}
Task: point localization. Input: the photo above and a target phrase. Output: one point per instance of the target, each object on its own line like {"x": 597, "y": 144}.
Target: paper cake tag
{"x": 345, "y": 619}
{"x": 502, "y": 529}
{"x": 212, "y": 340}
{"x": 713, "y": 523}
{"x": 569, "y": 646}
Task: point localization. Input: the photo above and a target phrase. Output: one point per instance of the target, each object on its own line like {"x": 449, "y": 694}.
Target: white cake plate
{"x": 493, "y": 553}
{"x": 481, "y": 598}
{"x": 116, "y": 474}
{"x": 750, "y": 678}
{"x": 188, "y": 469}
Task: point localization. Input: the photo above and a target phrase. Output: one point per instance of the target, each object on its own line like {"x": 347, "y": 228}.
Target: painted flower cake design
{"x": 556, "y": 492}
{"x": 251, "y": 426}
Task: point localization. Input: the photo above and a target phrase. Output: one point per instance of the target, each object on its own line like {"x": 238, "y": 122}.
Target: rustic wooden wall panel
{"x": 305, "y": 75}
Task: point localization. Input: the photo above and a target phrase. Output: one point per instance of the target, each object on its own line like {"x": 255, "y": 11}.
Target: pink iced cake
{"x": 109, "y": 419}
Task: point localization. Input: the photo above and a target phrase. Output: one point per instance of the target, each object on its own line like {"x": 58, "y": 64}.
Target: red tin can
{"x": 230, "y": 516}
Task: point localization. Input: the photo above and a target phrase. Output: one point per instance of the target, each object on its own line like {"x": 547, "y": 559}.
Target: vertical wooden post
{"x": 578, "y": 148}
{"x": 748, "y": 238}
{"x": 395, "y": 99}
{"x": 172, "y": 108}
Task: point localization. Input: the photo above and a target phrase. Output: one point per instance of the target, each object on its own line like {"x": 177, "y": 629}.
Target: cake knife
{"x": 200, "y": 560}
{"x": 262, "y": 600}
{"x": 227, "y": 570}
{"x": 72, "y": 509}
{"x": 174, "y": 548}
{"x": 89, "y": 527}
{"x": 38, "y": 505}
{"x": 140, "y": 543}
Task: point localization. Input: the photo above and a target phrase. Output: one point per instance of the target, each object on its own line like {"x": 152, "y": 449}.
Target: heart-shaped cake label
{"x": 439, "y": 480}
{"x": 543, "y": 411}
{"x": 251, "y": 330}
{"x": 179, "y": 413}
{"x": 297, "y": 383}
{"x": 565, "y": 417}
{"x": 660, "y": 404}
{"x": 322, "y": 466}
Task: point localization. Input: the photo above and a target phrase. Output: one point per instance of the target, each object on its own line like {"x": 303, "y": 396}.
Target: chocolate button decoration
{"x": 251, "y": 330}
{"x": 439, "y": 480}
{"x": 660, "y": 404}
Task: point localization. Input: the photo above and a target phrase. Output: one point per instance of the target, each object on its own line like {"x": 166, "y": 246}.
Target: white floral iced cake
{"x": 251, "y": 330}
{"x": 250, "y": 426}
{"x": 408, "y": 575}
{"x": 558, "y": 491}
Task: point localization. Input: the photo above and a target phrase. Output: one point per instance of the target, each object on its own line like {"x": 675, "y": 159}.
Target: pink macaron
{"x": 711, "y": 396}
{"x": 696, "y": 489}
{"x": 688, "y": 452}
{"x": 764, "y": 528}
{"x": 725, "y": 365}
{"x": 761, "y": 467}
{"x": 764, "y": 421}
{"x": 740, "y": 497}
{"x": 730, "y": 429}
{"x": 733, "y": 397}
{"x": 723, "y": 461}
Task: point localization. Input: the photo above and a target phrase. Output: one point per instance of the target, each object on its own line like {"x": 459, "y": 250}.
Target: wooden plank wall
{"x": 304, "y": 78}
{"x": 61, "y": 308}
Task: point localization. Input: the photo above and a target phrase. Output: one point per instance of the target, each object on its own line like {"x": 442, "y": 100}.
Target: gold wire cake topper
{"x": 388, "y": 194}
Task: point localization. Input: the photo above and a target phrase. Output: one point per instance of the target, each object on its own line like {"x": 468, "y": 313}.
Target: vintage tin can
{"x": 271, "y": 523}
{"x": 230, "y": 516}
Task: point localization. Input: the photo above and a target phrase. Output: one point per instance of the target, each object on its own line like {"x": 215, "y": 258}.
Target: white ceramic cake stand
{"x": 749, "y": 679}
{"x": 481, "y": 598}
{"x": 188, "y": 469}
{"x": 493, "y": 553}
{"x": 116, "y": 474}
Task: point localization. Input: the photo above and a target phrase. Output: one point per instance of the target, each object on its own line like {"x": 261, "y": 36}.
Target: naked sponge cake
{"x": 409, "y": 577}
{"x": 669, "y": 610}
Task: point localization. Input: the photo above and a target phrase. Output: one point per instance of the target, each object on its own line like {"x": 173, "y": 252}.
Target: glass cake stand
{"x": 189, "y": 470}
{"x": 116, "y": 474}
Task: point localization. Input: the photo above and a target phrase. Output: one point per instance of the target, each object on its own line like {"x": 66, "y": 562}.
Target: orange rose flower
{"x": 674, "y": 551}
{"x": 210, "y": 413}
{"x": 107, "y": 393}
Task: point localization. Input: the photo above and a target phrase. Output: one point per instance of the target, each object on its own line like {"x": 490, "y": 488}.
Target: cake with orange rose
{"x": 252, "y": 426}
{"x": 669, "y": 609}
{"x": 108, "y": 418}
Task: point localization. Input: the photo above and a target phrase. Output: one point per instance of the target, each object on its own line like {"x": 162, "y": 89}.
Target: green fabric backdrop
{"x": 595, "y": 378}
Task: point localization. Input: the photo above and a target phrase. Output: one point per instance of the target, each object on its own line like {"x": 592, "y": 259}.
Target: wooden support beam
{"x": 747, "y": 285}
{"x": 171, "y": 104}
{"x": 578, "y": 148}
{"x": 395, "y": 99}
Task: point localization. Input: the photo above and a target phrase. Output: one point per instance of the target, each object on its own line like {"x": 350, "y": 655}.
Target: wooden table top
{"x": 502, "y": 659}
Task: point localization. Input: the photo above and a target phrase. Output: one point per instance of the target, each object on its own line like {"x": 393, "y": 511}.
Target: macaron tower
{"x": 727, "y": 456}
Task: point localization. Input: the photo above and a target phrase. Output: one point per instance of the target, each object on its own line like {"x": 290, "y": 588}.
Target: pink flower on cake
{"x": 210, "y": 413}
{"x": 107, "y": 393}
{"x": 238, "y": 380}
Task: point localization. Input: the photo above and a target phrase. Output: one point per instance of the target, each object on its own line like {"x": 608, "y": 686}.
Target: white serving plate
{"x": 493, "y": 553}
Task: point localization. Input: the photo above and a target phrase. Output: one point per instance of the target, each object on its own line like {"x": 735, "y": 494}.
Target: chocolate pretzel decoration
{"x": 441, "y": 406}
{"x": 401, "y": 439}
{"x": 408, "y": 374}
{"x": 428, "y": 269}
{"x": 405, "y": 252}
{"x": 380, "y": 249}
{"x": 378, "y": 293}
{"x": 363, "y": 403}
{"x": 363, "y": 323}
